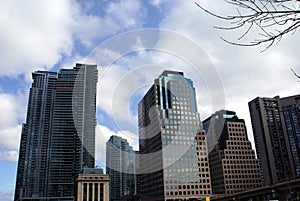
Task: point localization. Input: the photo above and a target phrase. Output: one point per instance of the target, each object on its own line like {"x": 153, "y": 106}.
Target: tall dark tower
{"x": 58, "y": 139}
{"x": 173, "y": 150}
{"x": 271, "y": 140}
{"x": 290, "y": 107}
{"x": 32, "y": 173}
{"x": 73, "y": 133}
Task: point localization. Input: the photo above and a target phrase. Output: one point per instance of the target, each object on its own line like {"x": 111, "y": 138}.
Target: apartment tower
{"x": 58, "y": 138}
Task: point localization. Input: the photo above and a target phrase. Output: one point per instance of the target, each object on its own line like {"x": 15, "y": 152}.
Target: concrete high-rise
{"x": 58, "y": 138}
{"x": 271, "y": 140}
{"x": 120, "y": 166}
{"x": 173, "y": 149}
{"x": 232, "y": 161}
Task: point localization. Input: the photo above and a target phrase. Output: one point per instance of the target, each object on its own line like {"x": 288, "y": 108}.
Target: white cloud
{"x": 12, "y": 111}
{"x": 34, "y": 34}
{"x": 128, "y": 14}
{"x": 38, "y": 34}
{"x": 9, "y": 155}
{"x": 118, "y": 16}
{"x": 10, "y": 137}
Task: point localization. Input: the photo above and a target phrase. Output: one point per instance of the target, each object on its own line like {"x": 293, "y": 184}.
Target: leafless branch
{"x": 295, "y": 73}
{"x": 272, "y": 18}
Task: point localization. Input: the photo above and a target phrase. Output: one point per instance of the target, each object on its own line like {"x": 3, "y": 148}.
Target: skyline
{"x": 24, "y": 49}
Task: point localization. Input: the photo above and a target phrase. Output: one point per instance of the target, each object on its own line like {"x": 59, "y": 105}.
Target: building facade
{"x": 32, "y": 172}
{"x": 120, "y": 166}
{"x": 92, "y": 185}
{"x": 232, "y": 161}
{"x": 58, "y": 138}
{"x": 173, "y": 149}
{"x": 290, "y": 107}
{"x": 271, "y": 140}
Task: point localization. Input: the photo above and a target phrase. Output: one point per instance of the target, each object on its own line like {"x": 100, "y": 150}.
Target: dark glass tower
{"x": 173, "y": 150}
{"x": 271, "y": 140}
{"x": 120, "y": 166}
{"x": 291, "y": 113}
{"x": 58, "y": 139}
{"x": 232, "y": 161}
{"x": 32, "y": 173}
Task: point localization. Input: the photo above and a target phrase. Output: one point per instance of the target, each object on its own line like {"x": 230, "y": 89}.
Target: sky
{"x": 132, "y": 42}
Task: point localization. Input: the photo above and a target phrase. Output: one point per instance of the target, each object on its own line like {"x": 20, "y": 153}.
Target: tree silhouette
{"x": 271, "y": 19}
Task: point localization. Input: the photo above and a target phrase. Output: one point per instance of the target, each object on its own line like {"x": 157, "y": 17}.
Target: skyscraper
{"x": 232, "y": 161}
{"x": 120, "y": 166}
{"x": 173, "y": 150}
{"x": 58, "y": 138}
{"x": 290, "y": 107}
{"x": 32, "y": 173}
{"x": 271, "y": 140}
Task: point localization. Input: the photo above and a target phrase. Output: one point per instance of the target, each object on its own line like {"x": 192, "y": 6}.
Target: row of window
{"x": 247, "y": 177}
{"x": 186, "y": 187}
{"x": 242, "y": 174}
{"x": 189, "y": 175}
{"x": 199, "y": 192}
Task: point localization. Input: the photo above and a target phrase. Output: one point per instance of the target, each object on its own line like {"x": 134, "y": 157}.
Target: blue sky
{"x": 48, "y": 35}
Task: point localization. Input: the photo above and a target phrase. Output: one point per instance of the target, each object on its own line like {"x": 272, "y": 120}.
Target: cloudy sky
{"x": 116, "y": 35}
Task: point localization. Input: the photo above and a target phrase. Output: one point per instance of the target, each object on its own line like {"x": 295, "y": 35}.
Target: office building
{"x": 93, "y": 185}
{"x": 271, "y": 140}
{"x": 58, "y": 138}
{"x": 233, "y": 166}
{"x": 120, "y": 166}
{"x": 173, "y": 150}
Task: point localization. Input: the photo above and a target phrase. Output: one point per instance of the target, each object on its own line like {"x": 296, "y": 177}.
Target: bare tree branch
{"x": 272, "y": 18}
{"x": 295, "y": 73}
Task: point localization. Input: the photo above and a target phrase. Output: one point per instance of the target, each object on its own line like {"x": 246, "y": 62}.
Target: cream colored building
{"x": 92, "y": 186}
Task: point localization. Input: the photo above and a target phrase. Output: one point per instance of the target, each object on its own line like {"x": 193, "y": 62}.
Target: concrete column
{"x": 99, "y": 191}
{"x": 79, "y": 191}
{"x": 87, "y": 192}
{"x": 93, "y": 191}
{"x": 106, "y": 191}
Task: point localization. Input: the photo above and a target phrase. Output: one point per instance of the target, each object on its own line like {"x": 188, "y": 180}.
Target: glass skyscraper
{"x": 58, "y": 138}
{"x": 32, "y": 173}
{"x": 173, "y": 150}
{"x": 120, "y": 166}
{"x": 272, "y": 140}
{"x": 291, "y": 113}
